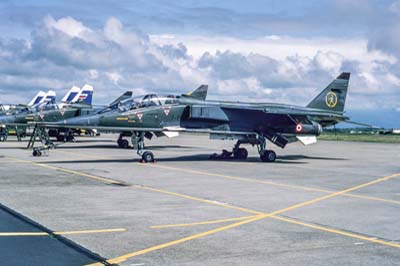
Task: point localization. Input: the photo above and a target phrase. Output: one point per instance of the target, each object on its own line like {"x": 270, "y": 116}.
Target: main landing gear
{"x": 138, "y": 143}
{"x": 241, "y": 153}
{"x": 122, "y": 143}
{"x": 236, "y": 153}
{"x": 265, "y": 155}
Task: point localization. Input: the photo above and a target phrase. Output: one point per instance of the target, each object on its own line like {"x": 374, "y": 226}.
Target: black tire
{"x": 241, "y": 154}
{"x": 36, "y": 153}
{"x": 268, "y": 156}
{"x": 148, "y": 157}
{"x": 123, "y": 144}
{"x": 60, "y": 138}
{"x": 70, "y": 138}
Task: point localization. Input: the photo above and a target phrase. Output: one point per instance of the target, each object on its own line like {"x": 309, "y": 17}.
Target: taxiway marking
{"x": 338, "y": 232}
{"x": 260, "y": 217}
{"x": 102, "y": 179}
{"x": 203, "y": 222}
{"x": 212, "y": 202}
{"x": 116, "y": 230}
{"x": 252, "y": 180}
{"x": 249, "y": 180}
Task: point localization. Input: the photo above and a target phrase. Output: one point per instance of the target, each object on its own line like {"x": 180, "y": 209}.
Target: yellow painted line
{"x": 225, "y": 205}
{"x": 116, "y": 230}
{"x": 203, "y": 223}
{"x": 102, "y": 179}
{"x": 24, "y": 234}
{"x": 178, "y": 241}
{"x": 372, "y": 198}
{"x": 251, "y": 180}
{"x": 82, "y": 232}
{"x": 256, "y": 218}
{"x": 339, "y": 232}
{"x": 107, "y": 180}
{"x": 259, "y": 215}
{"x": 235, "y": 178}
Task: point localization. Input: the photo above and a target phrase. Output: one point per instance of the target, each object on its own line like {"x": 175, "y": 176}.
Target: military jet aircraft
{"x": 248, "y": 123}
{"x": 74, "y": 103}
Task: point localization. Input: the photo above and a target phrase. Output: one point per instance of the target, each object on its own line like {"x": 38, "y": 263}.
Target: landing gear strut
{"x": 138, "y": 142}
{"x": 265, "y": 155}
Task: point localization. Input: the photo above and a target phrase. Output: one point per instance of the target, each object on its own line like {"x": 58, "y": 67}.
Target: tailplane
{"x": 333, "y": 97}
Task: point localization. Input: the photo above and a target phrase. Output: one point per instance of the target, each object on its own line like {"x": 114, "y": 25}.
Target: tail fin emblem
{"x": 331, "y": 99}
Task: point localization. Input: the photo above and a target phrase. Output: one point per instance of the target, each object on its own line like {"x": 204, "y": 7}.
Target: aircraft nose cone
{"x": 6, "y": 119}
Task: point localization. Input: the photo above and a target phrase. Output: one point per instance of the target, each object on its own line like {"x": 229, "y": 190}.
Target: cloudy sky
{"x": 256, "y": 50}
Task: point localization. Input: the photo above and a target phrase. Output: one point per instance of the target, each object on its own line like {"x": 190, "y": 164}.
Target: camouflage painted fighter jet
{"x": 248, "y": 123}
{"x": 75, "y": 103}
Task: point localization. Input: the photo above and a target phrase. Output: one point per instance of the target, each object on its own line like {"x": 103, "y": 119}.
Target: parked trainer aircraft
{"x": 251, "y": 123}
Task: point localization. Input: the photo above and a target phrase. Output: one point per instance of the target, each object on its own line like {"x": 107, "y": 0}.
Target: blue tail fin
{"x": 85, "y": 95}
{"x": 71, "y": 94}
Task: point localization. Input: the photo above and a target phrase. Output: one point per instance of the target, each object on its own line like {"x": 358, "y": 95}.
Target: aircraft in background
{"x": 248, "y": 123}
{"x": 45, "y": 108}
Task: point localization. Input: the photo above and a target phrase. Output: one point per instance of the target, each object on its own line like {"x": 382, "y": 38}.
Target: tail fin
{"x": 200, "y": 93}
{"x": 71, "y": 94}
{"x": 126, "y": 95}
{"x": 333, "y": 97}
{"x": 50, "y": 97}
{"x": 38, "y": 97}
{"x": 85, "y": 95}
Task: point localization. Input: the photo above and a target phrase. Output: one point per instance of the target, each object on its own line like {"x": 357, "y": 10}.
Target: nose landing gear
{"x": 138, "y": 143}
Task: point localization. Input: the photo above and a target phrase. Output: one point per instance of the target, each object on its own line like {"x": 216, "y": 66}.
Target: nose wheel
{"x": 138, "y": 142}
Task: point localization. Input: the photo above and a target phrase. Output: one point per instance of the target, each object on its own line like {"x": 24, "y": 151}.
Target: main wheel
{"x": 268, "y": 156}
{"x": 36, "y": 153}
{"x": 123, "y": 144}
{"x": 241, "y": 154}
{"x": 148, "y": 157}
{"x": 70, "y": 138}
{"x": 61, "y": 138}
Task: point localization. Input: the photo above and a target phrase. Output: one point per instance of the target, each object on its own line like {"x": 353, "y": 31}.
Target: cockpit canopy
{"x": 142, "y": 102}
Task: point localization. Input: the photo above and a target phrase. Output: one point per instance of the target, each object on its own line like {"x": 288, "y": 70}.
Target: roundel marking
{"x": 331, "y": 99}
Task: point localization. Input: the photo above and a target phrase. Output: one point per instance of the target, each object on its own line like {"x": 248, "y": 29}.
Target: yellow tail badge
{"x": 331, "y": 99}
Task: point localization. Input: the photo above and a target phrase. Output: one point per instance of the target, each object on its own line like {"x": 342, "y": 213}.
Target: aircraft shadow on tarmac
{"x": 115, "y": 147}
{"x": 286, "y": 159}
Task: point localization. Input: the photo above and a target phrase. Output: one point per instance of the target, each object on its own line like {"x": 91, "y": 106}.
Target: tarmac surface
{"x": 332, "y": 203}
